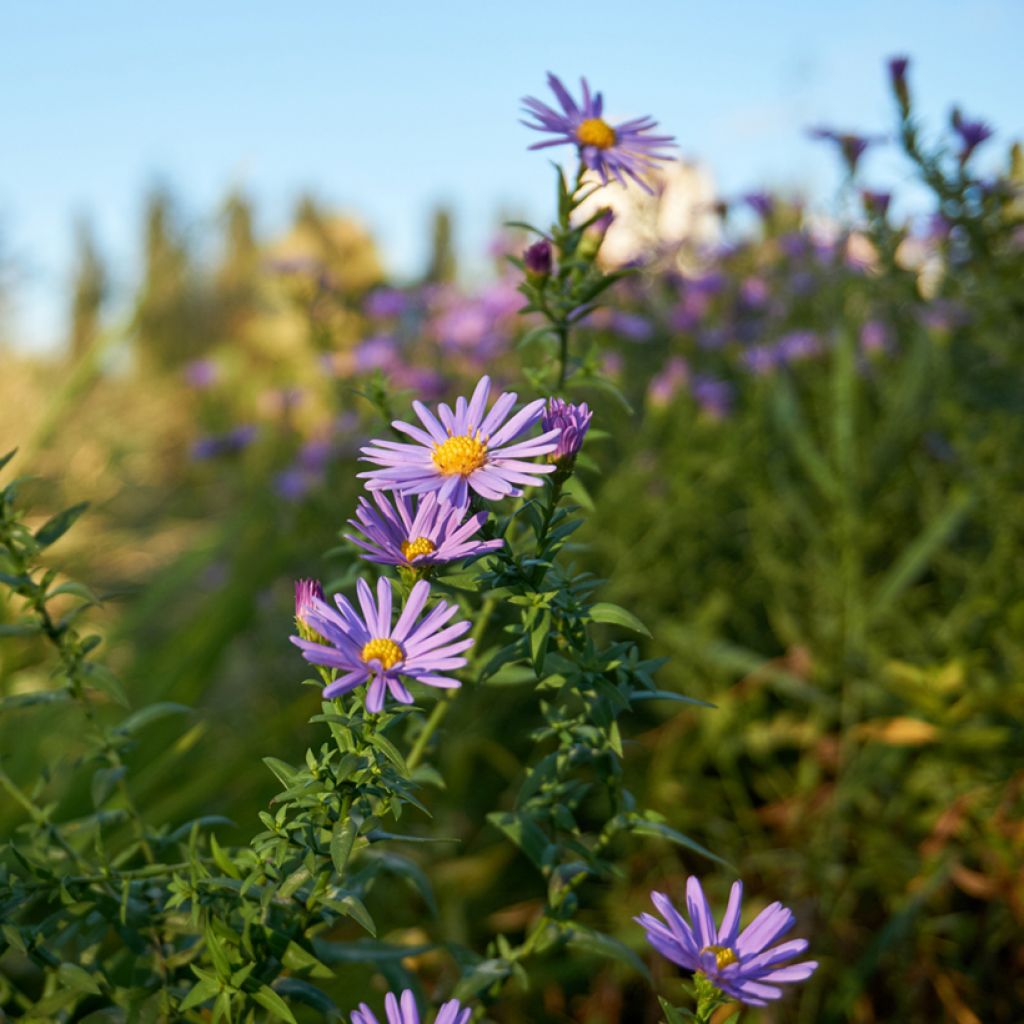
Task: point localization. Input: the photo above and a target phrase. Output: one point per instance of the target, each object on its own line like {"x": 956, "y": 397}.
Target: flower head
{"x": 626, "y": 149}
{"x": 365, "y": 647}
{"x": 740, "y": 964}
{"x": 463, "y": 449}
{"x": 411, "y": 534}
{"x": 972, "y": 134}
{"x": 851, "y": 146}
{"x": 404, "y": 1011}
{"x": 537, "y": 259}
{"x": 572, "y": 422}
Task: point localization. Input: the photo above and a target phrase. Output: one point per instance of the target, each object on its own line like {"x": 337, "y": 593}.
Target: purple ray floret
{"x": 463, "y": 449}
{"x": 404, "y": 1011}
{"x": 611, "y": 151}
{"x": 417, "y": 532}
{"x": 364, "y": 647}
{"x": 742, "y": 964}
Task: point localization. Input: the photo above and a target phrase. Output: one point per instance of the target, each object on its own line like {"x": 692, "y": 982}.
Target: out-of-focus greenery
{"x": 814, "y": 502}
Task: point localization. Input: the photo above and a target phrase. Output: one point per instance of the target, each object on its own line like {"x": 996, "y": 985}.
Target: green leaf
{"x": 673, "y": 1015}
{"x": 76, "y": 590}
{"x": 646, "y": 827}
{"x": 481, "y": 977}
{"x": 343, "y": 835}
{"x": 590, "y": 941}
{"x": 304, "y": 992}
{"x": 296, "y": 958}
{"x": 78, "y": 979}
{"x": 4, "y": 459}
{"x": 274, "y": 1004}
{"x": 285, "y": 773}
{"x": 151, "y": 713}
{"x": 53, "y": 529}
{"x": 101, "y": 678}
{"x": 524, "y": 832}
{"x": 605, "y": 611}
{"x": 26, "y": 628}
{"x": 25, "y": 700}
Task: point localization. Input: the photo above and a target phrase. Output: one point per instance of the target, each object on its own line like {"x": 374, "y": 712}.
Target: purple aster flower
{"x": 876, "y": 203}
{"x": 874, "y": 338}
{"x": 201, "y": 374}
{"x": 631, "y": 326}
{"x": 462, "y": 450}
{"x": 618, "y": 151}
{"x": 385, "y": 303}
{"x": 367, "y": 648}
{"x": 761, "y": 203}
{"x": 229, "y": 443}
{"x": 898, "y": 79}
{"x": 425, "y": 534}
{"x": 972, "y": 134}
{"x": 715, "y": 397}
{"x": 740, "y": 964}
{"x": 572, "y": 422}
{"x": 760, "y": 359}
{"x": 798, "y": 345}
{"x": 404, "y": 1011}
{"x": 537, "y": 259}
{"x": 851, "y": 145}
{"x": 380, "y": 353}
{"x": 664, "y": 385}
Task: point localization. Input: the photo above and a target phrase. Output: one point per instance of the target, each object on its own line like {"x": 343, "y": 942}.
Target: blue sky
{"x": 385, "y": 109}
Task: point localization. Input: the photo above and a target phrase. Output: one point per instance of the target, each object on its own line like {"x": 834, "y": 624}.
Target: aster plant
{"x": 727, "y": 963}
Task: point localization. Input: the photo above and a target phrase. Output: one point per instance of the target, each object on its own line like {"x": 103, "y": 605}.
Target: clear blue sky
{"x": 386, "y": 108}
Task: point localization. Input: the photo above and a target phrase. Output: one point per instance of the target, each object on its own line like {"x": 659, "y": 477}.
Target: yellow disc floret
{"x": 595, "y": 132}
{"x": 723, "y": 955}
{"x": 419, "y": 546}
{"x": 384, "y": 650}
{"x": 460, "y": 455}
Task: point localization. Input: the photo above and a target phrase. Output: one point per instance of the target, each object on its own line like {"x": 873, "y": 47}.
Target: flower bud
{"x": 573, "y": 421}
{"x": 898, "y": 80}
{"x": 537, "y": 260}
{"x": 307, "y": 592}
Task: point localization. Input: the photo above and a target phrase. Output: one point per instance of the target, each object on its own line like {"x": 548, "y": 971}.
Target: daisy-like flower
{"x": 611, "y": 151}
{"x": 740, "y": 964}
{"x": 367, "y": 648}
{"x": 463, "y": 449}
{"x": 404, "y": 1011}
{"x": 410, "y": 534}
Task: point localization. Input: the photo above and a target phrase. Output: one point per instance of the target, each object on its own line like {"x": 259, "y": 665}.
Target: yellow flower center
{"x": 723, "y": 955}
{"x": 460, "y": 455}
{"x": 595, "y": 132}
{"x": 386, "y": 651}
{"x": 419, "y": 546}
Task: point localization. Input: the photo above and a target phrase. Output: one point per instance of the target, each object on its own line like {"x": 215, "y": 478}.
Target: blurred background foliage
{"x": 807, "y": 485}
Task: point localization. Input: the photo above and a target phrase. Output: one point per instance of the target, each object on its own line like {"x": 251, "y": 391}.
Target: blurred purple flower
{"x": 761, "y": 203}
{"x": 665, "y": 384}
{"x": 851, "y": 146}
{"x": 760, "y": 359}
{"x": 294, "y": 483}
{"x": 624, "y": 150}
{"x": 876, "y": 203}
{"x": 754, "y": 292}
{"x": 715, "y": 397}
{"x": 229, "y": 443}
{"x": 744, "y": 965}
{"x": 201, "y": 374}
{"x": 797, "y": 346}
{"x": 379, "y": 353}
{"x": 385, "y": 303}
{"x": 306, "y": 592}
{"x": 972, "y": 134}
{"x": 631, "y": 326}
{"x": 874, "y": 338}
